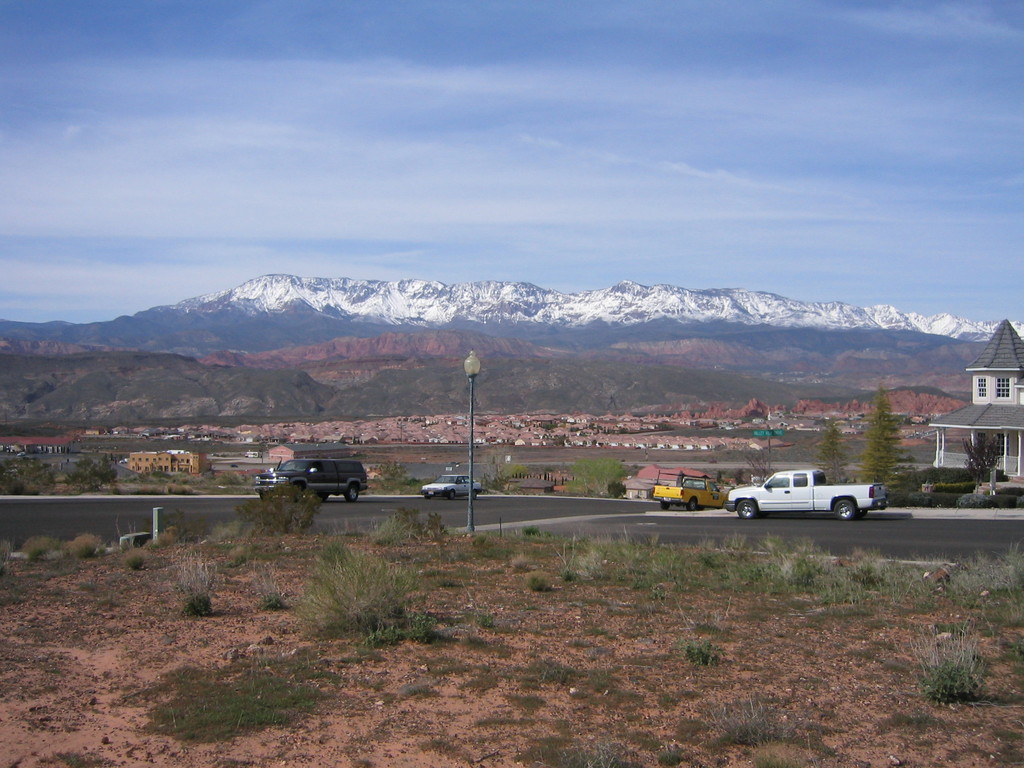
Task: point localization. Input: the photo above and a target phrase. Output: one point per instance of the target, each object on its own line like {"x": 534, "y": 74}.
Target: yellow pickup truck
{"x": 691, "y": 492}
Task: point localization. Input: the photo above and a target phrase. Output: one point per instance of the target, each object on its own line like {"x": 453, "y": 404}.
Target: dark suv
{"x": 325, "y": 477}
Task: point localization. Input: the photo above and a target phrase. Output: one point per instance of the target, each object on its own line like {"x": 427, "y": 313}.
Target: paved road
{"x": 920, "y": 534}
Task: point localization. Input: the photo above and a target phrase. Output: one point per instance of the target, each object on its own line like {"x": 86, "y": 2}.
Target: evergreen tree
{"x": 25, "y": 476}
{"x": 882, "y": 454}
{"x": 91, "y": 474}
{"x": 832, "y": 454}
{"x": 594, "y": 477}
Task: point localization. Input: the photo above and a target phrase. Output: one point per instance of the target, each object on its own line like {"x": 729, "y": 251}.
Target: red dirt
{"x": 86, "y": 641}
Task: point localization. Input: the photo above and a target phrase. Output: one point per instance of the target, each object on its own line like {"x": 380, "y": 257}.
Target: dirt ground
{"x": 588, "y": 672}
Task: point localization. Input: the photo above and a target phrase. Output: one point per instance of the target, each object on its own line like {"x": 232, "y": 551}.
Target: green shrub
{"x": 538, "y": 582}
{"x": 383, "y": 637}
{"x": 90, "y": 474}
{"x": 417, "y": 627}
{"x": 84, "y": 546}
{"x": 239, "y": 555}
{"x": 198, "y": 605}
{"x": 945, "y": 500}
{"x": 975, "y": 501}
{"x": 702, "y": 653}
{"x": 951, "y": 682}
{"x": 286, "y": 509}
{"x": 544, "y": 671}
{"x": 1016, "y": 648}
{"x": 952, "y": 670}
{"x": 26, "y": 477}
{"x": 421, "y": 628}
{"x": 912, "y": 499}
{"x": 39, "y": 547}
{"x": 271, "y": 598}
{"x": 185, "y": 527}
{"x": 196, "y": 580}
{"x": 912, "y": 479}
{"x": 750, "y": 722}
{"x": 776, "y": 761}
{"x": 954, "y": 487}
{"x": 351, "y": 591}
{"x": 392, "y": 478}
{"x": 671, "y": 756}
{"x": 404, "y": 525}
{"x": 5, "y": 555}
{"x": 135, "y": 561}
{"x": 1005, "y": 500}
{"x": 967, "y": 486}
{"x": 601, "y": 755}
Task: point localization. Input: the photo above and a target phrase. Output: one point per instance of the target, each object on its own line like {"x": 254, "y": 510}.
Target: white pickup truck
{"x": 805, "y": 490}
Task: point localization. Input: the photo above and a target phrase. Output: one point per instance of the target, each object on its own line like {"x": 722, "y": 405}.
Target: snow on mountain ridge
{"x": 432, "y": 303}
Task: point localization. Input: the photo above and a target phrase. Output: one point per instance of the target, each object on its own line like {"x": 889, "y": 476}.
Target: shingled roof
{"x": 984, "y": 417}
{"x": 1004, "y": 351}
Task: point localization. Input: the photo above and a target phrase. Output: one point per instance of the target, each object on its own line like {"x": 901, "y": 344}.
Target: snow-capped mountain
{"x": 433, "y": 304}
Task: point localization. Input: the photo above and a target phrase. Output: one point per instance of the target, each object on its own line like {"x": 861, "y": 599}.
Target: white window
{"x": 982, "y": 388}
{"x": 1001, "y": 442}
{"x": 1003, "y": 387}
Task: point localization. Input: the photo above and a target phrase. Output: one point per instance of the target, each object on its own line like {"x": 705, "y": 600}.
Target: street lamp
{"x": 472, "y": 368}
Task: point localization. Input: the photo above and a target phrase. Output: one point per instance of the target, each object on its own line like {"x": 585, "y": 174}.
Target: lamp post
{"x": 472, "y": 368}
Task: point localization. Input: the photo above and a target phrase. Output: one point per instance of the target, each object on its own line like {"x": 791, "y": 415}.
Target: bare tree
{"x": 759, "y": 463}
{"x": 983, "y": 453}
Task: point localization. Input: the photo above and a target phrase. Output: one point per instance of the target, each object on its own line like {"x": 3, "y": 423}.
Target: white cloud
{"x": 536, "y": 167}
{"x": 952, "y": 20}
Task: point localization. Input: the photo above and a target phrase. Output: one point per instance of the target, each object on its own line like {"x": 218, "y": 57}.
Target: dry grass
{"x": 812, "y": 656}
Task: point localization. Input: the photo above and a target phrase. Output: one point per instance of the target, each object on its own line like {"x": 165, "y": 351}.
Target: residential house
{"x": 668, "y": 474}
{"x": 997, "y": 407}
{"x": 290, "y": 451}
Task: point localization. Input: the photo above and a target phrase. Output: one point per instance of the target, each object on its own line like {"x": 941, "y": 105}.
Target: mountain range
{"x": 430, "y": 304}
{"x": 381, "y": 347}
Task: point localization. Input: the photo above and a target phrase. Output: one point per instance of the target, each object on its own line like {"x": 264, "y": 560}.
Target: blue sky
{"x": 867, "y": 152}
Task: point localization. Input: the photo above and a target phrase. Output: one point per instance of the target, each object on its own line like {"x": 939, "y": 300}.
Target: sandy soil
{"x": 590, "y": 670}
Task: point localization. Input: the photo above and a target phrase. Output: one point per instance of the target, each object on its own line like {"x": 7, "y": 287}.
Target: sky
{"x": 825, "y": 150}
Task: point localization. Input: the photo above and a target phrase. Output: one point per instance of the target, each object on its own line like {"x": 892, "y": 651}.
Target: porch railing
{"x": 959, "y": 460}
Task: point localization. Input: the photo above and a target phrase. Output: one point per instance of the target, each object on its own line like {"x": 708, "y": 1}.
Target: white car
{"x": 450, "y": 486}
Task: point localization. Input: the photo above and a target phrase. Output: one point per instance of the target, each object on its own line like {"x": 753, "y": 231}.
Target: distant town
{"x": 712, "y": 430}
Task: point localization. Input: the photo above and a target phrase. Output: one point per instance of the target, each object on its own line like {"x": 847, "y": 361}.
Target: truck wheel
{"x": 746, "y": 509}
{"x": 692, "y": 504}
{"x": 449, "y": 494}
{"x": 844, "y": 509}
{"x": 352, "y": 493}
{"x": 664, "y": 504}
